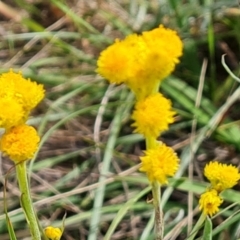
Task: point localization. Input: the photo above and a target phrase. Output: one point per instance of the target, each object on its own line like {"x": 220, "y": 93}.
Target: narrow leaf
{"x": 207, "y": 233}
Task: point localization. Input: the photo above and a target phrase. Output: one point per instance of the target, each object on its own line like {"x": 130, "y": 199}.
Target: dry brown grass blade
{"x": 10, "y": 12}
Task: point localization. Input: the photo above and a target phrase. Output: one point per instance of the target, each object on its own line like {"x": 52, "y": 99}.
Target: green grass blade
{"x": 99, "y": 195}
{"x": 207, "y": 232}
{"x": 10, "y": 228}
{"x": 122, "y": 212}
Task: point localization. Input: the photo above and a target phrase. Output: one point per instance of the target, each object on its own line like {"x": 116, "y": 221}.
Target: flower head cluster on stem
{"x": 18, "y": 96}
{"x": 141, "y": 62}
{"x": 221, "y": 177}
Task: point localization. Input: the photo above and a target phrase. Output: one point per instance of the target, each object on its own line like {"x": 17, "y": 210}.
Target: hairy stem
{"x": 159, "y": 226}
{"x": 26, "y": 200}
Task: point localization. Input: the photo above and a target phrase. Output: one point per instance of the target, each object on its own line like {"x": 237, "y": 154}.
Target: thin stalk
{"x": 159, "y": 226}
{"x": 26, "y": 200}
{"x": 197, "y": 226}
{"x": 156, "y": 189}
{"x": 156, "y": 192}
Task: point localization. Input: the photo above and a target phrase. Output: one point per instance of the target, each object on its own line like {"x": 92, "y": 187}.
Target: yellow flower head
{"x": 141, "y": 62}
{"x": 11, "y": 113}
{"x": 165, "y": 48}
{"x": 23, "y": 91}
{"x": 53, "y": 233}
{"x": 20, "y": 143}
{"x": 116, "y": 61}
{"x": 209, "y": 202}
{"x": 221, "y": 176}
{"x": 159, "y": 163}
{"x": 152, "y": 115}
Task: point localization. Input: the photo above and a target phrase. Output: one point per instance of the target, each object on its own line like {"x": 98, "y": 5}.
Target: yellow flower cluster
{"x": 159, "y": 163}
{"x": 141, "y": 61}
{"x": 152, "y": 115}
{"x": 221, "y": 177}
{"x": 53, "y": 233}
{"x": 18, "y": 96}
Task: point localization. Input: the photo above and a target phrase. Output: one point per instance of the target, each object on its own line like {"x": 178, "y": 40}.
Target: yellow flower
{"x": 11, "y": 113}
{"x": 209, "y": 202}
{"x": 141, "y": 62}
{"x": 221, "y": 176}
{"x": 53, "y": 233}
{"x": 152, "y": 115}
{"x": 165, "y": 49}
{"x": 159, "y": 163}
{"x": 23, "y": 91}
{"x": 115, "y": 63}
{"x": 20, "y": 143}
{"x": 162, "y": 48}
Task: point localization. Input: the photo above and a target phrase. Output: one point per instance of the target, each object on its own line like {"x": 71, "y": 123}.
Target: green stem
{"x": 156, "y": 191}
{"x": 156, "y": 188}
{"x": 159, "y": 226}
{"x": 26, "y": 200}
{"x": 197, "y": 226}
